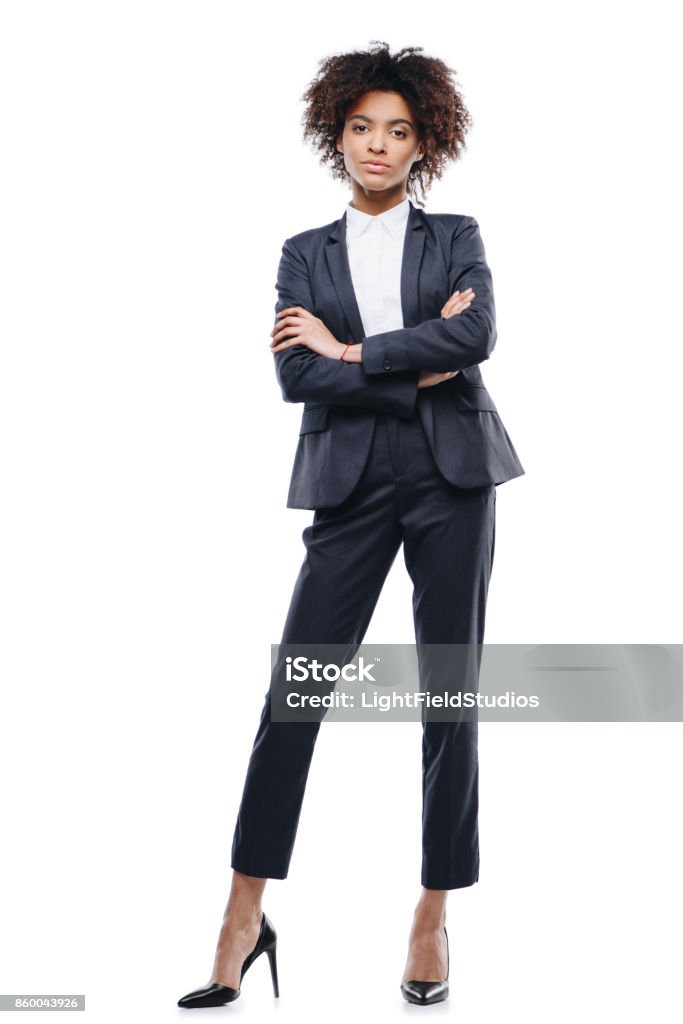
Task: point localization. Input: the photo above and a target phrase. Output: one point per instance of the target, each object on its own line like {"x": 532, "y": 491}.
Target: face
{"x": 379, "y": 127}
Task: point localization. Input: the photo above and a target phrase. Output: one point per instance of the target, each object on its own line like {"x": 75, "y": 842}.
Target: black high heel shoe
{"x": 217, "y": 995}
{"x": 425, "y": 992}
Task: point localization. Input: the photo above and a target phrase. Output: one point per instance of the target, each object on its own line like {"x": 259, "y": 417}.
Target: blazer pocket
{"x": 474, "y": 398}
{"x": 314, "y": 418}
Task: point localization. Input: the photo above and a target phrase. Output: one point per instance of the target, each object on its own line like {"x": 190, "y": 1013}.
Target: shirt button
{"x": 387, "y": 364}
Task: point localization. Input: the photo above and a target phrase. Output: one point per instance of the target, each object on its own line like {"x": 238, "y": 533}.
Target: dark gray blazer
{"x": 442, "y": 252}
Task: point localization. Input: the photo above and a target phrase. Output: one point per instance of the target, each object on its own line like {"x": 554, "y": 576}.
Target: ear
{"x": 340, "y": 148}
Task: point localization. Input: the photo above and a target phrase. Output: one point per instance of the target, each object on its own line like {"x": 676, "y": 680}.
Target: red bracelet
{"x": 344, "y": 352}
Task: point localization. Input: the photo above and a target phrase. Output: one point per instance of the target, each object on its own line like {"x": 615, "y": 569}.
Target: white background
{"x": 152, "y": 167}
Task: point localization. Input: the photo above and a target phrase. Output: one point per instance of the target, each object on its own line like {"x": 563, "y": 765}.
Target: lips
{"x": 374, "y": 165}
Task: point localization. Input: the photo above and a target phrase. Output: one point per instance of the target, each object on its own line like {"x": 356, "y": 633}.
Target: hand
{"x": 299, "y": 327}
{"x": 457, "y": 302}
{"x": 428, "y": 378}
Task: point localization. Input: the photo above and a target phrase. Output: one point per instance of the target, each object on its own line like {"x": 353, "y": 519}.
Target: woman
{"x": 383, "y": 318}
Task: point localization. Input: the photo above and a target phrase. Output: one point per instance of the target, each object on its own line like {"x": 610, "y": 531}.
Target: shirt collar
{"x": 394, "y": 220}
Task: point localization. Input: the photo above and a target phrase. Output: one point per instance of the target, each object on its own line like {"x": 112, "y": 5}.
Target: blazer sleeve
{"x": 450, "y": 343}
{"x": 306, "y": 376}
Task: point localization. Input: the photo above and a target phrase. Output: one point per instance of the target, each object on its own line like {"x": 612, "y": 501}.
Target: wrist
{"x": 355, "y": 353}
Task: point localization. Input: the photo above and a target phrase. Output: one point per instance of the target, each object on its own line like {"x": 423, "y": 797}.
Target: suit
{"x": 442, "y": 252}
{"x": 386, "y": 465}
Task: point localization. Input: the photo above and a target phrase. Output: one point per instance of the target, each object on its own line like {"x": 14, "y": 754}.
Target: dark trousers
{"x": 448, "y": 536}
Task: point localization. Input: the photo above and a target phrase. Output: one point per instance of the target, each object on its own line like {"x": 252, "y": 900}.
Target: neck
{"x": 376, "y": 202}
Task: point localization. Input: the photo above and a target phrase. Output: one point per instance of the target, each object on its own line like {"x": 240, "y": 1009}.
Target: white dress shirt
{"x": 375, "y": 248}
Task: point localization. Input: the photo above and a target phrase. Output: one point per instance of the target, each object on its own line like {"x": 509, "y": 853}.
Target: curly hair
{"x": 425, "y": 84}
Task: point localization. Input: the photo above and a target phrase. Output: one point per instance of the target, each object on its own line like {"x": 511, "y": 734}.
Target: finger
{"x": 459, "y": 297}
{"x": 455, "y": 309}
{"x": 285, "y": 344}
{"x": 299, "y": 310}
{"x": 458, "y": 301}
{"x": 462, "y": 303}
{"x": 286, "y": 332}
{"x": 293, "y": 321}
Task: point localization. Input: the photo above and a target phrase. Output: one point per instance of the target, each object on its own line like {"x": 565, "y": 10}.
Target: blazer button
{"x": 387, "y": 364}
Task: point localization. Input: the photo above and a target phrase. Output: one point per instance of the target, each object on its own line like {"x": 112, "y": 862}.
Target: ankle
{"x": 243, "y": 914}
{"x": 429, "y": 919}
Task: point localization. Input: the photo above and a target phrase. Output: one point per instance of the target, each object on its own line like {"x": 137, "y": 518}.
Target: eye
{"x": 402, "y": 134}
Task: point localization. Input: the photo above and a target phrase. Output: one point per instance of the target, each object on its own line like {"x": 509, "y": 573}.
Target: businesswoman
{"x": 382, "y": 319}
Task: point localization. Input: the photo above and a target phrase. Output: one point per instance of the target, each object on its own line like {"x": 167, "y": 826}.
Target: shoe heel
{"x": 273, "y": 968}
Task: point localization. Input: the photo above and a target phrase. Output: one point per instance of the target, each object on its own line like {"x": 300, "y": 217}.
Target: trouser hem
{"x": 258, "y": 870}
{"x": 453, "y": 882}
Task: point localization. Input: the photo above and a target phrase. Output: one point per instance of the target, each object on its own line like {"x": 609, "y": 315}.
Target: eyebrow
{"x": 395, "y": 120}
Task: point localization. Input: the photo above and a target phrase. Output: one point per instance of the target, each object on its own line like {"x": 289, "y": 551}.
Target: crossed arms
{"x": 387, "y": 368}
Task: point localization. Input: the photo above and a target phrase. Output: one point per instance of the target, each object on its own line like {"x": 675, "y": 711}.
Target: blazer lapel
{"x": 337, "y": 257}
{"x": 413, "y": 247}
